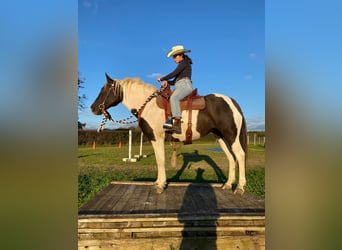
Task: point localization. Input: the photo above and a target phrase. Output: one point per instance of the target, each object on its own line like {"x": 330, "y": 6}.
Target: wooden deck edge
{"x": 260, "y": 229}
{"x": 176, "y": 218}
{"x": 227, "y": 242}
{"x": 170, "y": 184}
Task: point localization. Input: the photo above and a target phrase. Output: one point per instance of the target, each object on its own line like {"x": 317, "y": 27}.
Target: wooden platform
{"x": 132, "y": 215}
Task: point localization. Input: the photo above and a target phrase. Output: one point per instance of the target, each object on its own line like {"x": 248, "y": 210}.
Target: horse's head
{"x": 109, "y": 96}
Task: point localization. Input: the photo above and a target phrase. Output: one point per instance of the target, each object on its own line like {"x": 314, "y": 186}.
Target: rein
{"x": 136, "y": 113}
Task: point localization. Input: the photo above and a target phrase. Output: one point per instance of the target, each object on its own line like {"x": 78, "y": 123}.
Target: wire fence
{"x": 256, "y": 138}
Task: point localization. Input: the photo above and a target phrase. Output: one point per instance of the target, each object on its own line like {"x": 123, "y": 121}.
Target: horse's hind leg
{"x": 240, "y": 155}
{"x": 231, "y": 166}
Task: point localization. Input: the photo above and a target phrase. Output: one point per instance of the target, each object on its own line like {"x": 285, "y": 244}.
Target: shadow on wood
{"x": 205, "y": 195}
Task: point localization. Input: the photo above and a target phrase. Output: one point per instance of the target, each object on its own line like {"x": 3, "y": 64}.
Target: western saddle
{"x": 190, "y": 102}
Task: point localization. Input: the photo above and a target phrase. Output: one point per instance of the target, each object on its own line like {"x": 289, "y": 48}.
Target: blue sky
{"x": 131, "y": 38}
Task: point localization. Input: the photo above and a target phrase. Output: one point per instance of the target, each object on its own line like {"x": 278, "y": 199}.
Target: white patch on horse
{"x": 238, "y": 119}
{"x": 185, "y": 120}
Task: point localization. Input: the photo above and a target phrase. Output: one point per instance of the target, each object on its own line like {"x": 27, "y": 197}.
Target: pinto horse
{"x": 222, "y": 116}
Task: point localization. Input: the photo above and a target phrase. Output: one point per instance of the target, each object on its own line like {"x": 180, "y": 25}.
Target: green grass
{"x": 98, "y": 167}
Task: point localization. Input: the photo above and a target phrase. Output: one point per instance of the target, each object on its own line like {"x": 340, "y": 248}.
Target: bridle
{"x": 136, "y": 113}
{"x": 102, "y": 106}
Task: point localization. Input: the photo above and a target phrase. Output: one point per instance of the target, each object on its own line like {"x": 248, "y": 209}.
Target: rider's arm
{"x": 181, "y": 66}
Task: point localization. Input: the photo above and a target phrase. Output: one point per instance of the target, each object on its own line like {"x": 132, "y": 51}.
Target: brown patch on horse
{"x": 146, "y": 128}
{"x": 110, "y": 95}
{"x": 215, "y": 118}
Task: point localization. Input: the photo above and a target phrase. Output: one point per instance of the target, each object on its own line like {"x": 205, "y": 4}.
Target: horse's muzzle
{"x": 95, "y": 110}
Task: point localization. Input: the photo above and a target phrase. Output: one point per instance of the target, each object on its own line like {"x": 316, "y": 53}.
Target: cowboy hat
{"x": 179, "y": 49}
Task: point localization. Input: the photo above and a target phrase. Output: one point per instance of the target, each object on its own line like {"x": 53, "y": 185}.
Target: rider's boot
{"x": 177, "y": 125}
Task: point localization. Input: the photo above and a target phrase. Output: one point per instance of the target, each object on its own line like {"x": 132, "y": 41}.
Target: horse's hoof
{"x": 159, "y": 189}
{"x": 239, "y": 191}
{"x": 227, "y": 186}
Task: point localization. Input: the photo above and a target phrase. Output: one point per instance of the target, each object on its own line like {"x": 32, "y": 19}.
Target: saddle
{"x": 190, "y": 102}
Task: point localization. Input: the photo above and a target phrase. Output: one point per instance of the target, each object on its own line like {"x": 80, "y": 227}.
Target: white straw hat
{"x": 179, "y": 49}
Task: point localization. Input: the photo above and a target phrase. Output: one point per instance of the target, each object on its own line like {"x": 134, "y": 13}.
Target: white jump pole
{"x": 130, "y": 144}
{"x": 129, "y": 159}
{"x": 141, "y": 144}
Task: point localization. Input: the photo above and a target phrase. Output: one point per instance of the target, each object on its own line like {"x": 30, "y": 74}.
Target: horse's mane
{"x": 135, "y": 82}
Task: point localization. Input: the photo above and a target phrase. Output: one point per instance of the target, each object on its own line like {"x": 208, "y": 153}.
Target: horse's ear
{"x": 108, "y": 78}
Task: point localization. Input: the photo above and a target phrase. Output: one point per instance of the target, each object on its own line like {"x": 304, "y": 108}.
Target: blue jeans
{"x": 182, "y": 89}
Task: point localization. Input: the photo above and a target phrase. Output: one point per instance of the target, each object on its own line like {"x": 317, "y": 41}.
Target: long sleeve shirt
{"x": 183, "y": 70}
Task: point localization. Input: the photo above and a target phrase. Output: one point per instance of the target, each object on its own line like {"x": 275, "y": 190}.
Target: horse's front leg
{"x": 158, "y": 146}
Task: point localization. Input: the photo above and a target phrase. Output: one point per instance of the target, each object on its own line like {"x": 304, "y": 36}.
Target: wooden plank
{"x": 143, "y": 196}
{"x": 93, "y": 203}
{"x": 124, "y": 198}
{"x": 109, "y": 200}
{"x": 232, "y": 242}
{"x": 170, "y": 223}
{"x": 134, "y": 198}
{"x": 206, "y": 198}
{"x": 174, "y": 198}
{"x": 173, "y": 229}
{"x": 120, "y": 219}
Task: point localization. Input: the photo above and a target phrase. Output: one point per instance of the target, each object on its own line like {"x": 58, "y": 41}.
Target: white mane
{"x": 135, "y": 92}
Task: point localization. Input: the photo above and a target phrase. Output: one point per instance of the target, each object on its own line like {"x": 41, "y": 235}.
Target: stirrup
{"x": 168, "y": 124}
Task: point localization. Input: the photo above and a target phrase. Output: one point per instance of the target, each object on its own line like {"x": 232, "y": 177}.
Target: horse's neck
{"x": 135, "y": 96}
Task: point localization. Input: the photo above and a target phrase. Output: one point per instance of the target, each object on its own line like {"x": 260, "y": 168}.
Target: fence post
{"x": 254, "y": 138}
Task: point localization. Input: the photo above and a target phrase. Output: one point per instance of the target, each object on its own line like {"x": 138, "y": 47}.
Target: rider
{"x": 182, "y": 85}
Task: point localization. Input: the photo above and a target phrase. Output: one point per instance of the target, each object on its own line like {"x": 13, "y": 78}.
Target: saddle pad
{"x": 198, "y": 103}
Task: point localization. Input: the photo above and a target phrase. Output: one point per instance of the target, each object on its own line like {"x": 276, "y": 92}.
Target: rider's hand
{"x": 164, "y": 84}
{"x": 158, "y": 80}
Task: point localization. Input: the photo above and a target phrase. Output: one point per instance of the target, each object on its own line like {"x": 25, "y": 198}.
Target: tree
{"x": 81, "y": 99}
{"x": 81, "y": 125}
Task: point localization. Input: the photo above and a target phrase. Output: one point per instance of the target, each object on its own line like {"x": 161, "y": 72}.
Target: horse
{"x": 221, "y": 116}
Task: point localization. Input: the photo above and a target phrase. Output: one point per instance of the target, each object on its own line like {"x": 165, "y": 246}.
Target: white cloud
{"x": 86, "y": 4}
{"x": 154, "y": 75}
{"x": 255, "y": 124}
{"x": 252, "y": 55}
{"x": 92, "y": 5}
